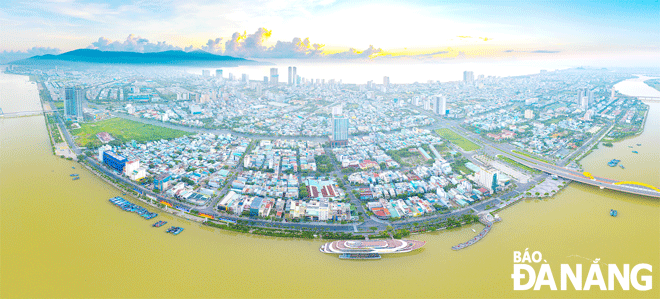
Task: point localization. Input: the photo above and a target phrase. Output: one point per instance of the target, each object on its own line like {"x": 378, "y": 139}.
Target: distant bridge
{"x": 649, "y": 99}
{"x": 24, "y": 113}
{"x": 587, "y": 178}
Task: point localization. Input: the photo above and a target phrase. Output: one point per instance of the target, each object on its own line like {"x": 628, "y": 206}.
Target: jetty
{"x": 487, "y": 219}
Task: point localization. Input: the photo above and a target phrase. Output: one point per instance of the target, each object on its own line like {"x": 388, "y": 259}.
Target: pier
{"x": 488, "y": 220}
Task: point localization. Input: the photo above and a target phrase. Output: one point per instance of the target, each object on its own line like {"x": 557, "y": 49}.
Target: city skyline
{"x": 420, "y": 29}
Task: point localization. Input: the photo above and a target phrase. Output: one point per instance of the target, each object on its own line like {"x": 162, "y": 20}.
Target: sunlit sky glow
{"x": 418, "y": 29}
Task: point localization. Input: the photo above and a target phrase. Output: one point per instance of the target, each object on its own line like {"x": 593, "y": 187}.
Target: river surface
{"x": 62, "y": 238}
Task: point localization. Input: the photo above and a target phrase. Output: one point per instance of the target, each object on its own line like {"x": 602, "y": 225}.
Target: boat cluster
{"x": 131, "y": 207}
{"x": 74, "y": 176}
{"x": 175, "y": 230}
{"x": 613, "y": 162}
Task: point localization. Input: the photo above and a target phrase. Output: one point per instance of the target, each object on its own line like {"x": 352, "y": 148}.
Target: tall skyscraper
{"x": 336, "y": 110}
{"x": 266, "y": 80}
{"x": 245, "y": 78}
{"x": 585, "y": 98}
{"x": 468, "y": 76}
{"x": 73, "y": 100}
{"x": 218, "y": 73}
{"x": 386, "y": 81}
{"x": 339, "y": 131}
{"x": 292, "y": 75}
{"x": 274, "y": 80}
{"x": 440, "y": 104}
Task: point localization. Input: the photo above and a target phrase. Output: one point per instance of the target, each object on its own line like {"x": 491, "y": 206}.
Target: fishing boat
{"x": 630, "y": 146}
{"x": 177, "y": 231}
{"x": 639, "y": 144}
{"x": 613, "y": 162}
{"x": 159, "y": 223}
{"x": 474, "y": 230}
{"x": 613, "y": 213}
{"x": 75, "y": 178}
{"x": 73, "y": 174}
{"x": 621, "y": 165}
{"x": 635, "y": 152}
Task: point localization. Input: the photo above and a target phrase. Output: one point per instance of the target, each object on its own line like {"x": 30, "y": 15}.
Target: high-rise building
{"x": 274, "y": 80}
{"x": 584, "y": 103}
{"x": 73, "y": 100}
{"x": 440, "y": 104}
{"x": 427, "y": 104}
{"x": 488, "y": 178}
{"x": 529, "y": 114}
{"x": 339, "y": 131}
{"x": 245, "y": 78}
{"x": 386, "y": 81}
{"x": 336, "y": 110}
{"x": 613, "y": 92}
{"x": 292, "y": 75}
{"x": 468, "y": 76}
{"x": 266, "y": 80}
{"x": 585, "y": 98}
{"x": 218, "y": 73}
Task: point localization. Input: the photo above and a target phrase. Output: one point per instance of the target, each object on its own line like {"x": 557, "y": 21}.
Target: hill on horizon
{"x": 174, "y": 57}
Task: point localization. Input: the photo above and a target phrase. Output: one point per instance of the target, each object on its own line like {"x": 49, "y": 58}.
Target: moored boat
{"x": 359, "y": 256}
{"x": 613, "y": 162}
{"x": 371, "y": 246}
{"x": 613, "y": 212}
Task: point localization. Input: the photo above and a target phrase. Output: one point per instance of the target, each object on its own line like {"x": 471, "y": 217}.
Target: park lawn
{"x": 516, "y": 164}
{"x": 459, "y": 140}
{"x": 123, "y": 130}
{"x": 530, "y": 156}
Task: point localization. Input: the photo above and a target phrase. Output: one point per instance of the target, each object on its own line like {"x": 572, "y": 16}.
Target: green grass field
{"x": 459, "y": 140}
{"x": 530, "y": 156}
{"x": 516, "y": 164}
{"x": 123, "y": 130}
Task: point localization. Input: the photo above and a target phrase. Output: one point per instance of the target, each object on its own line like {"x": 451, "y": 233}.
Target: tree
{"x": 373, "y": 228}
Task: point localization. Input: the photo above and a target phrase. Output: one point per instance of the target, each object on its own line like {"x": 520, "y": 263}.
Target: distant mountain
{"x": 180, "y": 58}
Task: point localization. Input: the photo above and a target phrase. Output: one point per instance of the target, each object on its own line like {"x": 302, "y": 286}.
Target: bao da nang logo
{"x": 605, "y": 278}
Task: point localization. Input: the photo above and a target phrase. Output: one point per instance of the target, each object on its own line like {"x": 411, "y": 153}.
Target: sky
{"x": 336, "y": 29}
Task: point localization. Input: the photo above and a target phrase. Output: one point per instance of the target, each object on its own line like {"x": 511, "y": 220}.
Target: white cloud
{"x": 132, "y": 43}
{"x": 9, "y": 56}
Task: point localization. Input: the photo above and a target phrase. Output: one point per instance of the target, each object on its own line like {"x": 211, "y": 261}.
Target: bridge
{"x": 24, "y": 113}
{"x": 589, "y": 179}
{"x": 649, "y": 99}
